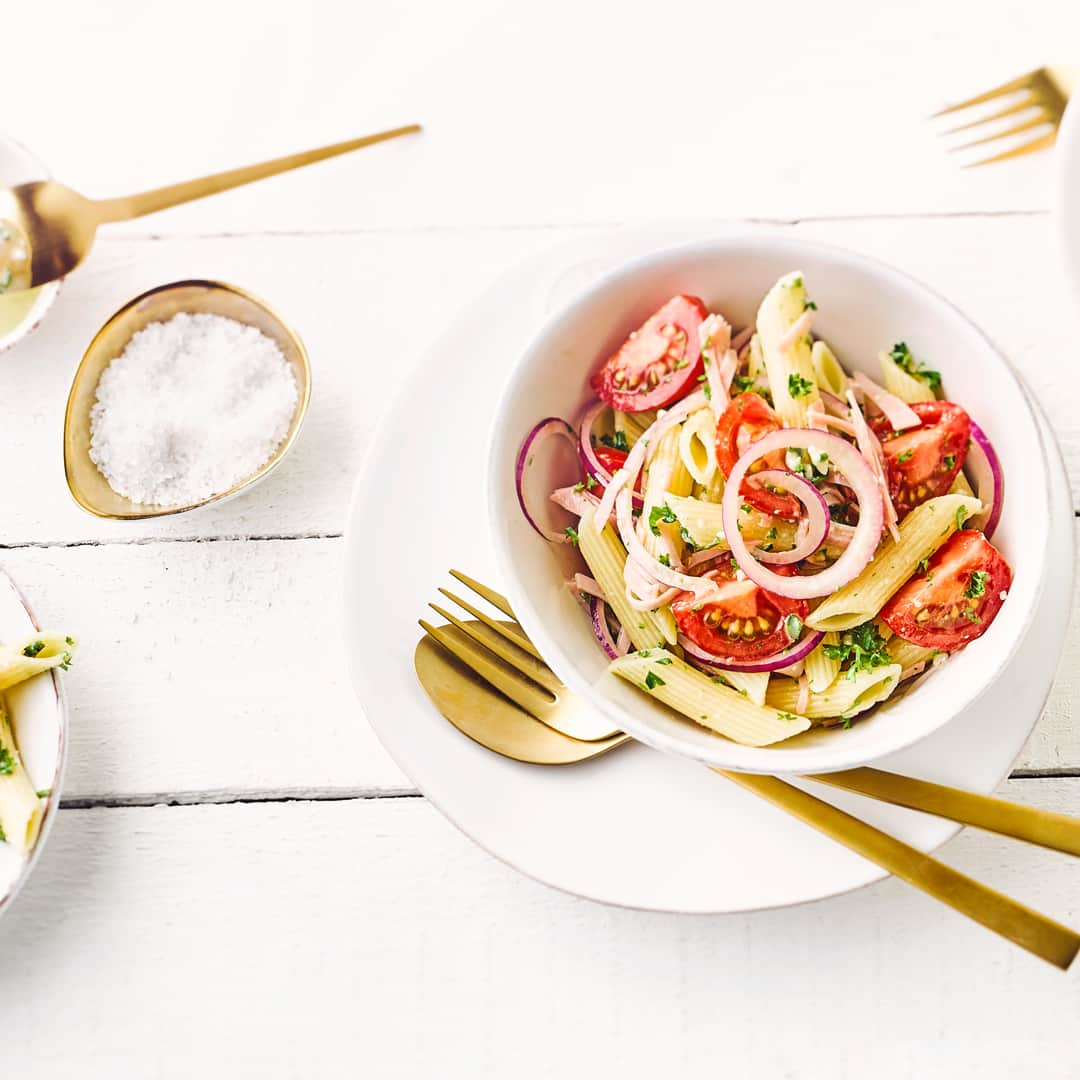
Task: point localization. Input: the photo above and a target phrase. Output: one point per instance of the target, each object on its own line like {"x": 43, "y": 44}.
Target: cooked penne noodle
{"x": 922, "y": 532}
{"x": 697, "y": 446}
{"x": 907, "y": 654}
{"x": 632, "y": 425}
{"x": 606, "y": 558}
{"x": 830, "y": 375}
{"x": 23, "y": 659}
{"x": 755, "y": 364}
{"x": 845, "y": 698}
{"x": 753, "y": 684}
{"x": 906, "y": 387}
{"x": 960, "y": 485}
{"x": 789, "y": 366}
{"x": 821, "y": 670}
{"x": 20, "y": 808}
{"x": 708, "y": 703}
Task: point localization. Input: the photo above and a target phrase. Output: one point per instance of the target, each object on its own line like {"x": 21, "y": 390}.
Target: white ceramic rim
{"x": 36, "y": 315}
{"x": 794, "y": 762}
{"x": 52, "y": 806}
{"x": 1067, "y": 196}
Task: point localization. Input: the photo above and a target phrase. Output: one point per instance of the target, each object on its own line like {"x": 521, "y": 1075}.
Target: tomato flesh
{"x": 956, "y": 599}
{"x": 744, "y": 623}
{"x": 613, "y": 460}
{"x": 659, "y": 362}
{"x": 747, "y": 419}
{"x": 921, "y": 463}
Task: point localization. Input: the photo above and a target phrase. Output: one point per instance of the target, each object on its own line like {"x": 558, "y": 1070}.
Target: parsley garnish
{"x": 7, "y": 762}
{"x": 643, "y": 652}
{"x": 789, "y": 717}
{"x": 901, "y": 356}
{"x": 863, "y": 646}
{"x": 771, "y": 534}
{"x": 949, "y": 460}
{"x": 661, "y": 513}
{"x": 652, "y": 680}
{"x": 616, "y": 442}
{"x": 923, "y": 565}
{"x": 809, "y": 305}
{"x": 746, "y": 508}
{"x": 798, "y": 386}
{"x": 65, "y": 661}
{"x": 976, "y": 586}
{"x": 665, "y": 660}
{"x": 571, "y": 534}
{"x": 664, "y": 559}
{"x": 904, "y": 455}
{"x": 71, "y": 641}
{"x": 33, "y": 649}
{"x": 961, "y": 516}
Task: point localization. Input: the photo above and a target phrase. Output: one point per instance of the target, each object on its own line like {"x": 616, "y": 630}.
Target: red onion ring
{"x": 598, "y": 609}
{"x": 547, "y": 428}
{"x": 836, "y": 406}
{"x": 857, "y": 473}
{"x": 898, "y": 412}
{"x": 989, "y": 479}
{"x": 816, "y": 521}
{"x": 795, "y": 652}
{"x": 587, "y": 452}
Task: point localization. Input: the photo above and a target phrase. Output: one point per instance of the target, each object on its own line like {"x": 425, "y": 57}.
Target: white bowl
{"x": 19, "y": 166}
{"x": 1067, "y": 194}
{"x": 863, "y": 306}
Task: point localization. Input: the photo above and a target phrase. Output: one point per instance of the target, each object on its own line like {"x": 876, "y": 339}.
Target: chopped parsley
{"x": 742, "y": 383}
{"x": 809, "y": 305}
{"x": 665, "y": 660}
{"x": 904, "y": 455}
{"x": 798, "y": 386}
{"x": 949, "y": 460}
{"x": 786, "y": 716}
{"x": 923, "y": 565}
{"x": 901, "y": 356}
{"x": 643, "y": 652}
{"x": 71, "y": 641}
{"x": 863, "y": 648}
{"x": 586, "y": 485}
{"x": 664, "y": 559}
{"x": 572, "y": 534}
{"x": 44, "y": 793}
{"x": 661, "y": 513}
{"x": 7, "y": 762}
{"x": 771, "y": 534}
{"x": 65, "y": 662}
{"x": 616, "y": 441}
{"x": 746, "y": 508}
{"x": 961, "y": 516}
{"x": 33, "y": 649}
{"x": 3, "y": 835}
{"x": 652, "y": 680}
{"x": 976, "y": 586}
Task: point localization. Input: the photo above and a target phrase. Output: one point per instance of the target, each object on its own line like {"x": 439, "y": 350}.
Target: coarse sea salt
{"x": 190, "y": 408}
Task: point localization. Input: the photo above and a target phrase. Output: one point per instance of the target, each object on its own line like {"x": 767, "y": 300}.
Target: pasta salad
{"x": 770, "y": 542}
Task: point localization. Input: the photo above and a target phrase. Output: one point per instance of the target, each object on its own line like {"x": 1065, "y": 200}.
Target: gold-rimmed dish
{"x": 88, "y": 486}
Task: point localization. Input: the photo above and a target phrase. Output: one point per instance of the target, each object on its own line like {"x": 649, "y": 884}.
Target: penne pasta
{"x": 960, "y": 485}
{"x": 752, "y": 684}
{"x": 23, "y": 659}
{"x": 606, "y": 558}
{"x": 845, "y": 698}
{"x": 788, "y": 363}
{"x": 697, "y": 446}
{"x": 706, "y": 702}
{"x": 821, "y": 670}
{"x": 20, "y": 808}
{"x": 907, "y": 654}
{"x": 632, "y": 425}
{"x": 906, "y": 387}
{"x": 922, "y": 532}
{"x": 830, "y": 375}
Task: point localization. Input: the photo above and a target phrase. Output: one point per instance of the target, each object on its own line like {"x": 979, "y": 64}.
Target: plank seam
{"x": 142, "y": 541}
{"x": 226, "y": 798}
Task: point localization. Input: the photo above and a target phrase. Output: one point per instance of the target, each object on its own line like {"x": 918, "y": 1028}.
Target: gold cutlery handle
{"x": 1058, "y": 832}
{"x": 1012, "y": 920}
{"x": 148, "y": 202}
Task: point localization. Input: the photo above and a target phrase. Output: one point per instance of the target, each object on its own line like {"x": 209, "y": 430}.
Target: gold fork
{"x": 463, "y": 693}
{"x": 1041, "y": 94}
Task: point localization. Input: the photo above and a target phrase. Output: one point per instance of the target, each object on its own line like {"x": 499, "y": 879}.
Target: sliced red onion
{"x": 589, "y": 586}
{"x": 598, "y": 611}
{"x": 870, "y": 446}
{"x": 587, "y": 452}
{"x": 989, "y": 480}
{"x": 836, "y": 406}
{"x": 898, "y": 412}
{"x": 551, "y": 427}
{"x": 814, "y": 528}
{"x": 575, "y": 502}
{"x": 795, "y": 652}
{"x": 858, "y": 475}
{"x": 742, "y": 338}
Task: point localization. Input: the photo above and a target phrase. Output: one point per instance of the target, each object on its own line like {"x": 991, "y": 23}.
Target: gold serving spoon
{"x": 46, "y": 229}
{"x": 458, "y": 665}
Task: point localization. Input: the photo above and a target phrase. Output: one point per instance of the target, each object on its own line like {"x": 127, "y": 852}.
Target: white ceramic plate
{"x": 1067, "y": 196}
{"x": 864, "y": 306}
{"x": 39, "y": 719}
{"x": 19, "y": 166}
{"x": 635, "y": 828}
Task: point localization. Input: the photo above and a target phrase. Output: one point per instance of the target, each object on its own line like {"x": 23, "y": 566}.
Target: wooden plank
{"x": 375, "y": 302}
{"x": 534, "y": 114}
{"x": 370, "y": 938}
{"x": 219, "y": 667}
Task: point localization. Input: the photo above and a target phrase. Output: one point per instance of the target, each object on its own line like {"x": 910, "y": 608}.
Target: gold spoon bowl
{"x": 88, "y": 486}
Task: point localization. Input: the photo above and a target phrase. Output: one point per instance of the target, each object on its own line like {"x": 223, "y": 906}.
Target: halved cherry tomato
{"x": 659, "y": 362}
{"x": 957, "y": 597}
{"x": 747, "y": 419}
{"x": 922, "y": 462}
{"x": 744, "y": 623}
{"x": 613, "y": 460}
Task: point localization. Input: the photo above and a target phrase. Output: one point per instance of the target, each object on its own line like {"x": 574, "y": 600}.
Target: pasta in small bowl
{"x": 748, "y": 498}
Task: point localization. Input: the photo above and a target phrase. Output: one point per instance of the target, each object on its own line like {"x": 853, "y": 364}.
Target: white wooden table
{"x": 241, "y": 882}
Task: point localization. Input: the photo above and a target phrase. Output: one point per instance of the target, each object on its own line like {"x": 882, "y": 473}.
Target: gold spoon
{"x": 49, "y": 229}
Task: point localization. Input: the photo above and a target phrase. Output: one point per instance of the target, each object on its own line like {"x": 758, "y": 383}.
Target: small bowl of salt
{"x": 187, "y": 396}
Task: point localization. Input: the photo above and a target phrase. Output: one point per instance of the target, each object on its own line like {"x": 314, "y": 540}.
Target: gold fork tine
{"x": 490, "y": 595}
{"x": 1023, "y": 106}
{"x": 1041, "y": 143}
{"x": 1037, "y": 121}
{"x": 533, "y": 669}
{"x": 477, "y": 657}
{"x": 1023, "y": 82}
{"x": 511, "y": 633}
